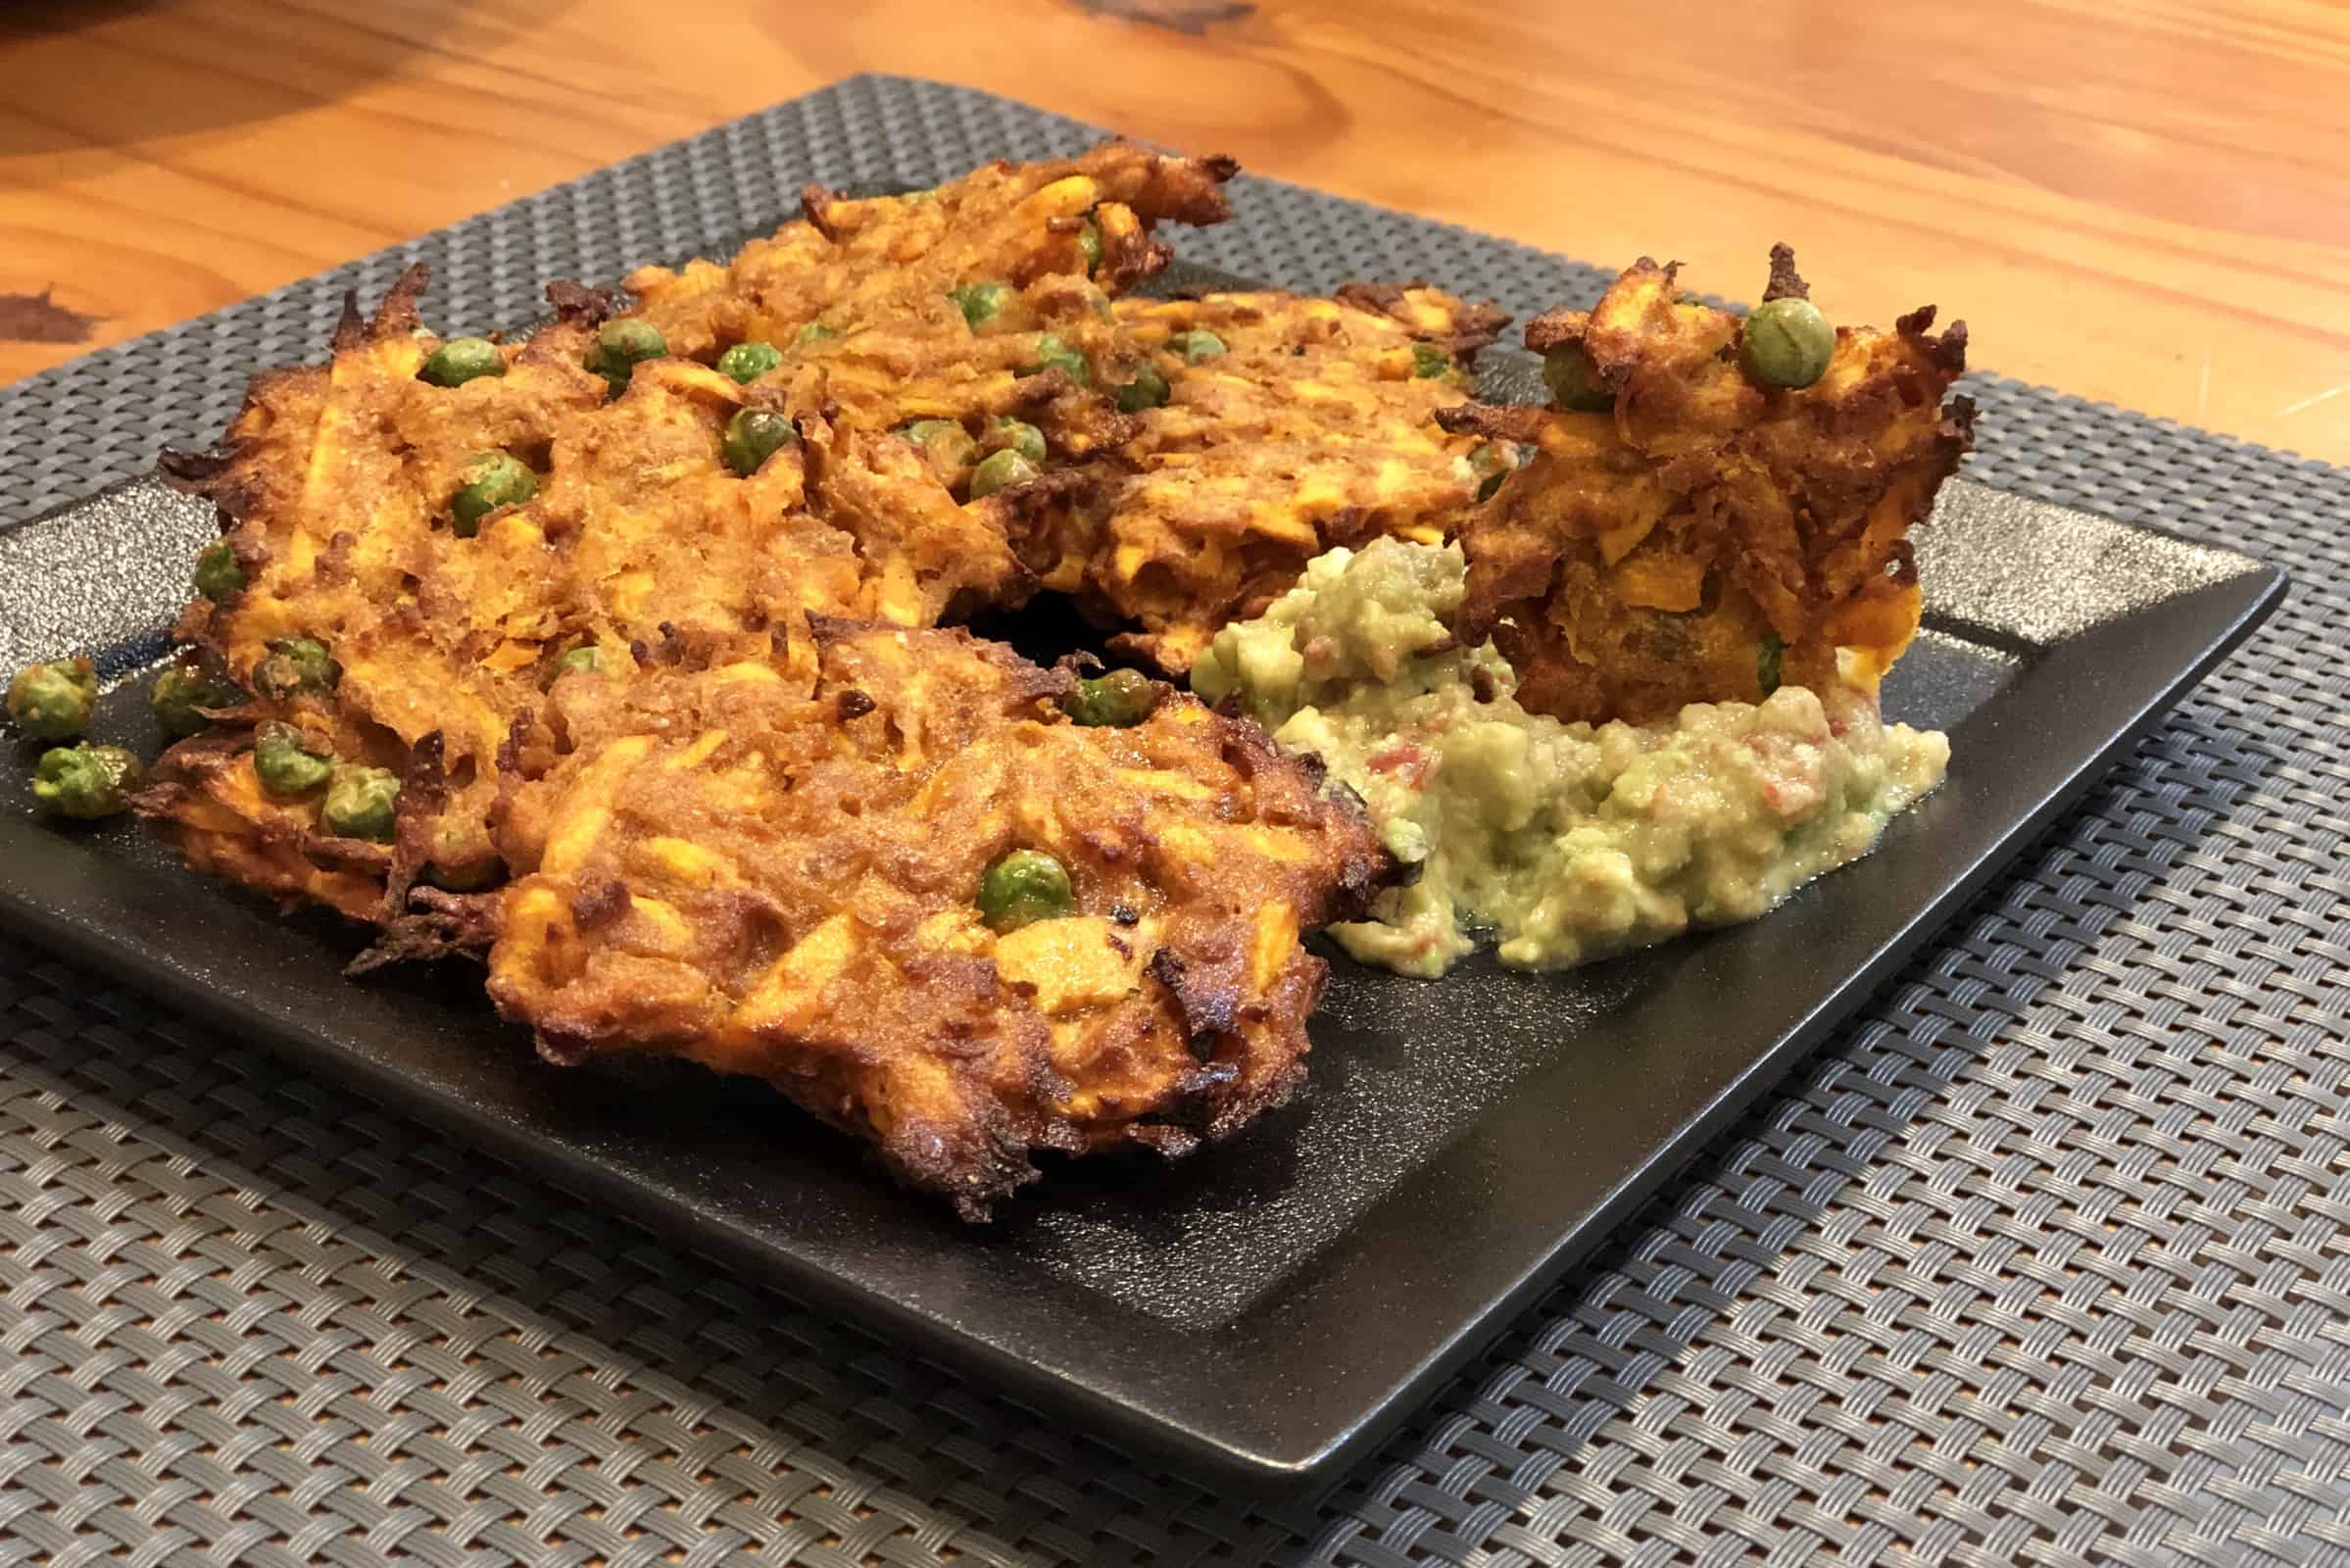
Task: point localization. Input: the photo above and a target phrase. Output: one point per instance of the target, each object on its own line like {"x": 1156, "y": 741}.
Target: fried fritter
{"x": 1302, "y": 424}
{"x": 639, "y": 542}
{"x": 930, "y": 306}
{"x": 784, "y": 886}
{"x": 1709, "y": 537}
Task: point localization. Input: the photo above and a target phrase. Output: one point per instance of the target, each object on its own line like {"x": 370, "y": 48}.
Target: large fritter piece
{"x": 631, "y": 534}
{"x": 985, "y": 297}
{"x": 1696, "y": 534}
{"x": 786, "y": 886}
{"x": 1290, "y": 426}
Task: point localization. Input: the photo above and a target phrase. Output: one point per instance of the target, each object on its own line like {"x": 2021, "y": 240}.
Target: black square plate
{"x": 1266, "y": 1309}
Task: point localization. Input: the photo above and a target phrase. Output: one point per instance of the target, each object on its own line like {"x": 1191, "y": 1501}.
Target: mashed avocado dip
{"x": 1566, "y": 842}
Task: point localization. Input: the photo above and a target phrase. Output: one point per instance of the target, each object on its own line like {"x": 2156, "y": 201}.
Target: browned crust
{"x": 577, "y": 301}
{"x": 1477, "y": 323}
{"x": 1495, "y": 422}
{"x": 437, "y": 925}
{"x": 1786, "y": 282}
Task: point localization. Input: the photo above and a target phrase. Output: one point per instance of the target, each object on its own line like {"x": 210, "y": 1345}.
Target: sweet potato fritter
{"x": 1303, "y": 424}
{"x": 640, "y": 541}
{"x": 871, "y": 302}
{"x": 1709, "y": 537}
{"x": 784, "y": 886}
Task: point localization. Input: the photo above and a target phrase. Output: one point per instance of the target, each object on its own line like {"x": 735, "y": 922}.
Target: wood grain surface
{"x": 2141, "y": 201}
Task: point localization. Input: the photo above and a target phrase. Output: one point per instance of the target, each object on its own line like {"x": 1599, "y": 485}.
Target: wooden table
{"x": 2145, "y": 201}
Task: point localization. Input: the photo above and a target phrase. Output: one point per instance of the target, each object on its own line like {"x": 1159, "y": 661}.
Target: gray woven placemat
{"x": 2046, "y": 1259}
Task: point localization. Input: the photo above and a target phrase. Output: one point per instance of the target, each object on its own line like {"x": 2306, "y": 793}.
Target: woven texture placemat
{"x": 2047, "y": 1259}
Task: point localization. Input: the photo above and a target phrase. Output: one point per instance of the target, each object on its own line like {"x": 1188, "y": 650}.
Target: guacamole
{"x": 1563, "y": 843}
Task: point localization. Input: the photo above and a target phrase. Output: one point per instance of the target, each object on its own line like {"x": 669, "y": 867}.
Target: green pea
{"x": 488, "y": 480}
{"x": 217, "y": 574}
{"x": 295, "y": 665}
{"x": 579, "y": 660}
{"x": 979, "y": 302}
{"x": 1195, "y": 347}
{"x": 748, "y": 361}
{"x": 462, "y": 360}
{"x": 753, "y": 437}
{"x": 1116, "y": 699}
{"x": 1495, "y": 462}
{"x": 1767, "y": 655}
{"x": 284, "y": 761}
{"x": 1052, "y": 352}
{"x": 85, "y": 782}
{"x": 1148, "y": 390}
{"x": 1787, "y": 343}
{"x": 1017, "y": 435}
{"x": 1428, "y": 361}
{"x": 1000, "y": 472}
{"x": 181, "y": 695}
{"x": 621, "y": 347}
{"x": 1024, "y": 887}
{"x": 1088, "y": 242}
{"x": 1567, "y": 372}
{"x": 945, "y": 440}
{"x": 361, "y": 803}
{"x": 817, "y": 332}
{"x": 52, "y": 701}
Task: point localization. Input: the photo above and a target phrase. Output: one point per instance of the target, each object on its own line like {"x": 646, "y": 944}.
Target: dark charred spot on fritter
{"x": 598, "y": 901}
{"x": 1786, "y": 282}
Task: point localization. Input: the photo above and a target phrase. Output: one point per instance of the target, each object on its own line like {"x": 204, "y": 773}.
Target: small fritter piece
{"x": 1289, "y": 426}
{"x": 1702, "y": 535}
{"x": 799, "y": 888}
{"x": 985, "y": 297}
{"x": 210, "y": 800}
{"x": 1005, "y": 222}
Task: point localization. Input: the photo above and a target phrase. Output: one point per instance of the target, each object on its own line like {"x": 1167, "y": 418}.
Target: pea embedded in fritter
{"x": 85, "y": 782}
{"x": 293, "y": 666}
{"x": 1022, "y": 888}
{"x": 1567, "y": 372}
{"x": 183, "y": 693}
{"x": 217, "y": 574}
{"x": 1767, "y": 656}
{"x": 753, "y": 437}
{"x": 284, "y": 762}
{"x": 1787, "y": 343}
{"x": 1195, "y": 347}
{"x": 1089, "y": 244}
{"x": 1052, "y": 353}
{"x": 979, "y": 302}
{"x": 1146, "y": 390}
{"x": 462, "y": 360}
{"x": 579, "y": 660}
{"x": 817, "y": 332}
{"x": 488, "y": 480}
{"x": 1491, "y": 463}
{"x": 945, "y": 440}
{"x": 1001, "y": 471}
{"x": 53, "y": 701}
{"x": 746, "y": 363}
{"x": 1114, "y": 700}
{"x": 1016, "y": 435}
{"x": 622, "y": 346}
{"x": 361, "y": 803}
{"x": 1428, "y": 361}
